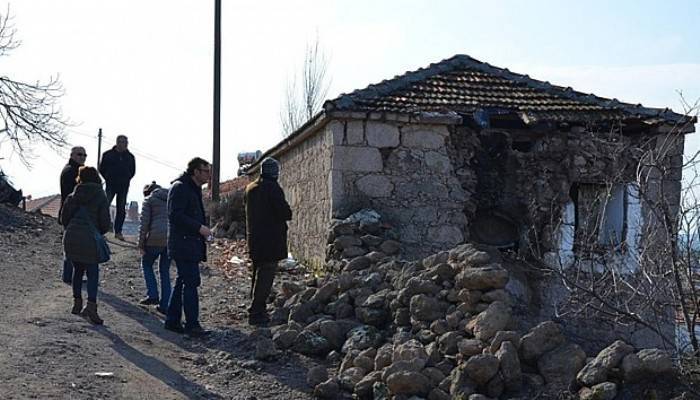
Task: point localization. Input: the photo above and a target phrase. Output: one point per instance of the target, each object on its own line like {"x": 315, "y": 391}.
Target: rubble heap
{"x": 361, "y": 234}
{"x": 438, "y": 328}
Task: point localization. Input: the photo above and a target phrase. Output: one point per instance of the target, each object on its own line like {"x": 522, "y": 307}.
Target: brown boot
{"x": 77, "y": 306}
{"x": 90, "y": 312}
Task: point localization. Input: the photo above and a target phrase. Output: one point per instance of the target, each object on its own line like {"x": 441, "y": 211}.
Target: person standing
{"x": 69, "y": 174}
{"x": 118, "y": 166}
{"x": 85, "y": 211}
{"x": 153, "y": 244}
{"x": 187, "y": 236}
{"x": 267, "y": 213}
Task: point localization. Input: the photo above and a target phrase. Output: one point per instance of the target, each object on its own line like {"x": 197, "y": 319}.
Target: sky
{"x": 145, "y": 68}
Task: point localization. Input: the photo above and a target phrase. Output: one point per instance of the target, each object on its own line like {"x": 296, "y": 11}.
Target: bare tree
{"x": 302, "y": 100}
{"x": 29, "y": 111}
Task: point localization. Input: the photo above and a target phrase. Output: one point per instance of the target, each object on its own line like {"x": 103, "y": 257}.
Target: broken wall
{"x": 533, "y": 184}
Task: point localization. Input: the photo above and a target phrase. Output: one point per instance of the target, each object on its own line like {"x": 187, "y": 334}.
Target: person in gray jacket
{"x": 153, "y": 243}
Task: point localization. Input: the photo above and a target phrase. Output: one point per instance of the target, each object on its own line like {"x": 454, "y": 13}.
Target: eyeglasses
{"x": 205, "y": 170}
{"x": 81, "y": 154}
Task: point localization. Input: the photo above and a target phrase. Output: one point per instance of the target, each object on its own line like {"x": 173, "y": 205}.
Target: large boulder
{"x": 541, "y": 339}
{"x": 504, "y": 336}
{"x": 311, "y": 344}
{"x": 448, "y": 342}
{"x": 327, "y": 390}
{"x": 646, "y": 364}
{"x": 412, "y": 351}
{"x": 560, "y": 366}
{"x": 384, "y": 356}
{"x": 495, "y": 318}
{"x": 358, "y": 264}
{"x": 492, "y": 276}
{"x": 325, "y": 292}
{"x": 596, "y": 371}
{"x": 481, "y": 368}
{"x": 470, "y": 347}
{"x": 408, "y": 383}
{"x": 507, "y": 356}
{"x": 362, "y": 337}
{"x": 425, "y": 308}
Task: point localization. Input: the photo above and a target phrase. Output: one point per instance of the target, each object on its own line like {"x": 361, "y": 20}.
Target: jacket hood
{"x": 160, "y": 194}
{"x": 86, "y": 192}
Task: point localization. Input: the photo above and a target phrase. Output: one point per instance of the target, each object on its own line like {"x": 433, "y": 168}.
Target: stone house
{"x": 462, "y": 150}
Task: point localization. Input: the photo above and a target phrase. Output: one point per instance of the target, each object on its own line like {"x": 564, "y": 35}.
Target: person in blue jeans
{"x": 187, "y": 237}
{"x": 84, "y": 211}
{"x": 153, "y": 244}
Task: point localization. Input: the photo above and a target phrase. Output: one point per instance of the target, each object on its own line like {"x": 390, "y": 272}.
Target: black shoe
{"x": 258, "y": 319}
{"x": 162, "y": 310}
{"x": 174, "y": 328}
{"x": 197, "y": 332}
{"x": 149, "y": 301}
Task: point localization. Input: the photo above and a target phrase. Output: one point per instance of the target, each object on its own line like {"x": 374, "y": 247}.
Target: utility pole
{"x": 99, "y": 147}
{"x": 216, "y": 159}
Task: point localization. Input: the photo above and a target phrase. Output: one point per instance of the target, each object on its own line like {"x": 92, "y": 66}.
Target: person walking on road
{"x": 69, "y": 174}
{"x": 187, "y": 237}
{"x": 118, "y": 166}
{"x": 85, "y": 216}
{"x": 267, "y": 213}
{"x": 153, "y": 244}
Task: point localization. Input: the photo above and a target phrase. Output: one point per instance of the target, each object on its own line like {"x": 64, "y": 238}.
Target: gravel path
{"x": 47, "y": 353}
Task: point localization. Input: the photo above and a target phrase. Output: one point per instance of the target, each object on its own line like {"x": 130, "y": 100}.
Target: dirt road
{"x": 48, "y": 353}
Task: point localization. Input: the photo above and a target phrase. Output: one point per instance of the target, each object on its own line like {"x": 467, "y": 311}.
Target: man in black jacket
{"x": 68, "y": 176}
{"x": 187, "y": 236}
{"x": 118, "y": 167}
{"x": 267, "y": 213}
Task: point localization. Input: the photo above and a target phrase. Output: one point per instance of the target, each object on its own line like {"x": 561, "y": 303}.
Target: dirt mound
{"x": 13, "y": 218}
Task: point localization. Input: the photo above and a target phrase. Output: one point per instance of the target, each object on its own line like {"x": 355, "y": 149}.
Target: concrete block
{"x": 358, "y": 159}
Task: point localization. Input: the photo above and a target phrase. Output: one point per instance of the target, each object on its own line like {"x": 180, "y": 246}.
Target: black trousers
{"x": 263, "y": 278}
{"x": 120, "y": 193}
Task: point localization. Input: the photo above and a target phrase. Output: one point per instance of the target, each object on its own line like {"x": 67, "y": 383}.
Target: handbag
{"x": 103, "y": 251}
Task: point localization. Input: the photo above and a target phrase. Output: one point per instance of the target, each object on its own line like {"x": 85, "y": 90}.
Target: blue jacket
{"x": 185, "y": 216}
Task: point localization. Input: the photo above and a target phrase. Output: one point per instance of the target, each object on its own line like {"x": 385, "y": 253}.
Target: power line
{"x": 134, "y": 150}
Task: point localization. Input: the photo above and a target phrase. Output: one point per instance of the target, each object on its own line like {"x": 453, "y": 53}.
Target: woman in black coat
{"x": 85, "y": 214}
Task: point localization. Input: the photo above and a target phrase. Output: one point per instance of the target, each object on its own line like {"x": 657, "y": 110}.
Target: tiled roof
{"x": 464, "y": 85}
{"x": 48, "y": 205}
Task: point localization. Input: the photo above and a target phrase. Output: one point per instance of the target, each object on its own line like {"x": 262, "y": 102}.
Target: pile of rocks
{"x": 360, "y": 234}
{"x": 438, "y": 328}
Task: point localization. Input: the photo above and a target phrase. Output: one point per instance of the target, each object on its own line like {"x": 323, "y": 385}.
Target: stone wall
{"x": 304, "y": 177}
{"x": 403, "y": 171}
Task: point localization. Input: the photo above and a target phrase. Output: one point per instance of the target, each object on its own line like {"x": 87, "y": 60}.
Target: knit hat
{"x": 148, "y": 189}
{"x": 270, "y": 168}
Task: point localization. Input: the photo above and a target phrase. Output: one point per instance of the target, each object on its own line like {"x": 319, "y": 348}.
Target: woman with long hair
{"x": 85, "y": 216}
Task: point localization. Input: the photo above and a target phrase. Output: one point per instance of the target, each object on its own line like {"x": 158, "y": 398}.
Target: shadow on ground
{"x": 156, "y": 368}
{"x": 145, "y": 319}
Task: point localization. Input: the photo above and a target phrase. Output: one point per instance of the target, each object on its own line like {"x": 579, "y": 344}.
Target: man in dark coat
{"x": 117, "y": 168}
{"x": 68, "y": 177}
{"x": 187, "y": 236}
{"x": 267, "y": 213}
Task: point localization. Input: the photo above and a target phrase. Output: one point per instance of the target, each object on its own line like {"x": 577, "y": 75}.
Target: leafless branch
{"x": 29, "y": 111}
{"x": 302, "y": 101}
